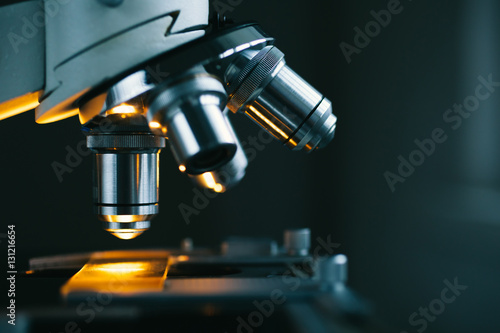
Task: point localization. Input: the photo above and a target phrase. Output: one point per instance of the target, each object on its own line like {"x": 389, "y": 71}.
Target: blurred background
{"x": 442, "y": 222}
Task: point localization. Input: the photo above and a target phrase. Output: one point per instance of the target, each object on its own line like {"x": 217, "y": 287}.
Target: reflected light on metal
{"x": 219, "y": 188}
{"x": 123, "y": 218}
{"x": 126, "y": 234}
{"x": 127, "y": 230}
{"x": 56, "y": 116}
{"x": 19, "y": 105}
{"x": 154, "y": 124}
{"x": 123, "y": 109}
{"x": 275, "y": 129}
{"x": 208, "y": 181}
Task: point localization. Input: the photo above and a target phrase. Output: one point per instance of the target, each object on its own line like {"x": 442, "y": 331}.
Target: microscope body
{"x": 142, "y": 75}
{"x": 65, "y": 49}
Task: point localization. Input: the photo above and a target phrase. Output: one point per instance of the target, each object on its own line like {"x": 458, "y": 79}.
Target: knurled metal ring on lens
{"x": 203, "y": 83}
{"x": 256, "y": 77}
{"x": 131, "y": 141}
{"x": 249, "y": 67}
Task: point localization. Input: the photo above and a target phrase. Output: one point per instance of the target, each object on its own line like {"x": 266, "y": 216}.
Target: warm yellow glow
{"x": 182, "y": 168}
{"x": 56, "y": 116}
{"x": 219, "y": 188}
{"x": 121, "y": 272}
{"x": 269, "y": 123}
{"x": 209, "y": 179}
{"x": 19, "y": 104}
{"x": 182, "y": 258}
{"x": 154, "y": 124}
{"x": 122, "y": 267}
{"x": 123, "y": 218}
{"x": 126, "y": 234}
{"x": 123, "y": 109}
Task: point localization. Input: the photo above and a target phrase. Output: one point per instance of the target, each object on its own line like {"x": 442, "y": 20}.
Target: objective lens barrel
{"x": 263, "y": 87}
{"x": 230, "y": 174}
{"x": 126, "y": 181}
{"x": 189, "y": 113}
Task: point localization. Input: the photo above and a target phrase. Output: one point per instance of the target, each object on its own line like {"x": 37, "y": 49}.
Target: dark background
{"x": 442, "y": 222}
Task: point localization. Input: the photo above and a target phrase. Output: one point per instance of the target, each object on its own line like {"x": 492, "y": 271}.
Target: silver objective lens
{"x": 263, "y": 87}
{"x": 126, "y": 181}
{"x": 188, "y": 112}
{"x": 228, "y": 175}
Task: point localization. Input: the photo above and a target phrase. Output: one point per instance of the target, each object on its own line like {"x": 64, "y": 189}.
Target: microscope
{"x": 144, "y": 74}
{"x": 141, "y": 75}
